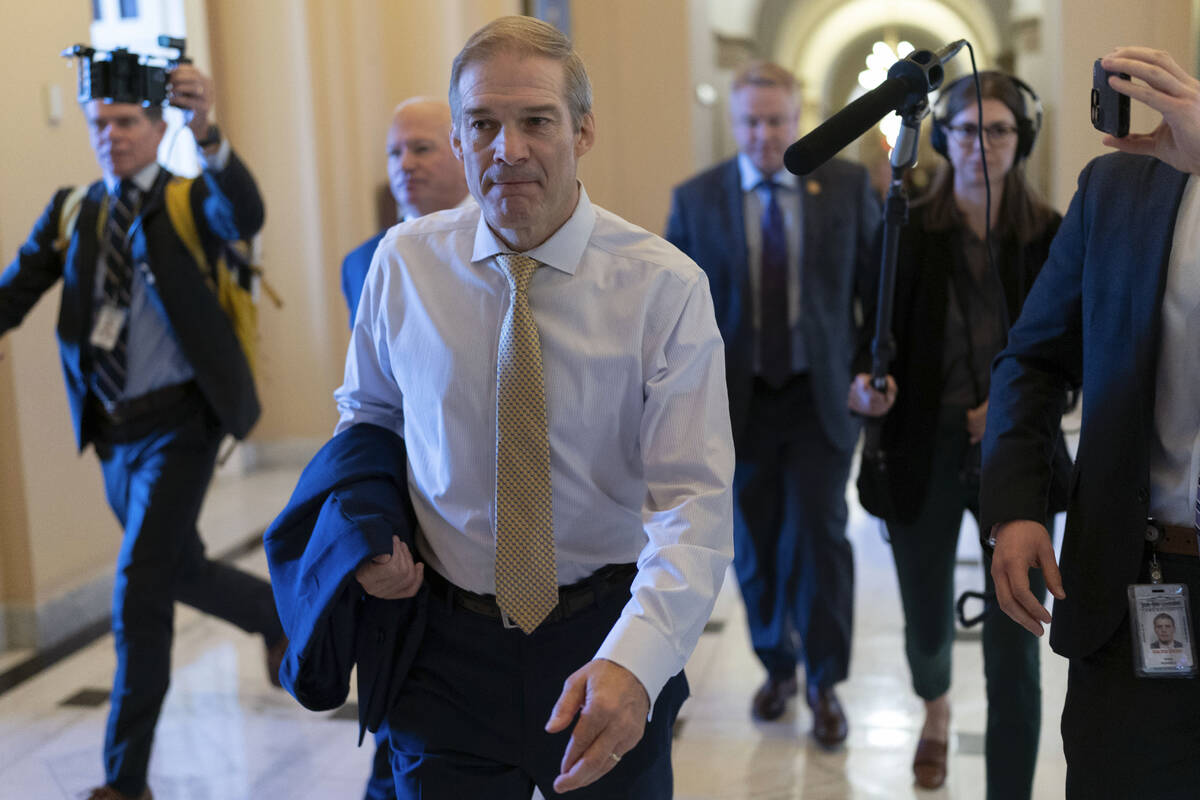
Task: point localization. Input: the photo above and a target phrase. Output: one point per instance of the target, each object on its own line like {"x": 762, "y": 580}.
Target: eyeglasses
{"x": 996, "y": 133}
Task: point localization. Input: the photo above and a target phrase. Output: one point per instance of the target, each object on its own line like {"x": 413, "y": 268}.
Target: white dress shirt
{"x": 1175, "y": 450}
{"x": 641, "y": 454}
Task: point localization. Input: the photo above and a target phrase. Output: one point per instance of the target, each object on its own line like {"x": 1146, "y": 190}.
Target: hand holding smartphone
{"x": 1109, "y": 108}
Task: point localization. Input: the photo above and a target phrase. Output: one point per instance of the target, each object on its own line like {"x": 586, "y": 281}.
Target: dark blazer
{"x": 1093, "y": 320}
{"x": 840, "y": 218}
{"x": 354, "y": 271}
{"x": 226, "y": 205}
{"x": 925, "y": 260}
{"x": 350, "y": 499}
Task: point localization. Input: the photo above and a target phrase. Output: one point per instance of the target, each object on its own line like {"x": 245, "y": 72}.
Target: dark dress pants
{"x": 926, "y": 554}
{"x": 155, "y": 476}
{"x": 793, "y": 561}
{"x": 1131, "y": 737}
{"x": 469, "y": 722}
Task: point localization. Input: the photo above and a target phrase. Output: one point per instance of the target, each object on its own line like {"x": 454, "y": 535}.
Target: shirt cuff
{"x": 640, "y": 648}
{"x": 216, "y": 161}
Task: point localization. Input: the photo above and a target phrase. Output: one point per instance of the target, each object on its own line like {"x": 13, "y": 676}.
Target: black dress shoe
{"x": 770, "y": 701}
{"x": 109, "y": 793}
{"x": 829, "y": 721}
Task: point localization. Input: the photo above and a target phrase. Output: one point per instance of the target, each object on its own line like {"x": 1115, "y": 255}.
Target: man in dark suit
{"x": 786, "y": 257}
{"x": 424, "y": 176}
{"x": 155, "y": 377}
{"x": 1114, "y": 311}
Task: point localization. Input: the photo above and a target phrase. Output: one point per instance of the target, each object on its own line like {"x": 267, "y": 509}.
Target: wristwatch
{"x": 211, "y": 137}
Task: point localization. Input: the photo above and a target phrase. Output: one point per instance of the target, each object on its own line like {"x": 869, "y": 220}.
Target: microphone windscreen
{"x": 824, "y": 141}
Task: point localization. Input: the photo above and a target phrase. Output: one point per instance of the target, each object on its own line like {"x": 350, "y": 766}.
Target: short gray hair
{"x": 764, "y": 74}
{"x": 531, "y": 37}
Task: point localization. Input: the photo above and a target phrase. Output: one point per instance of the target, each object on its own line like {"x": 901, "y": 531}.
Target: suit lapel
{"x": 812, "y": 218}
{"x": 735, "y": 212}
{"x": 86, "y": 254}
{"x": 1159, "y": 206}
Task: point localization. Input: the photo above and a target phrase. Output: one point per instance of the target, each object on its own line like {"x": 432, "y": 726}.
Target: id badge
{"x": 109, "y": 321}
{"x": 1162, "y": 631}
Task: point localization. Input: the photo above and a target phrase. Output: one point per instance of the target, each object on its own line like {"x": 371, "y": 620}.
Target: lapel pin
{"x": 813, "y": 187}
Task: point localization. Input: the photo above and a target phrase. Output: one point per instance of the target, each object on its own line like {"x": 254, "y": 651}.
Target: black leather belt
{"x": 1178, "y": 540}
{"x": 133, "y": 418}
{"x": 577, "y": 597}
{"x": 128, "y": 410}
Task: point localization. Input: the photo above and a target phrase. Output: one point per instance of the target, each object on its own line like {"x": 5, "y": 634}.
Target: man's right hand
{"x": 1169, "y": 90}
{"x": 391, "y": 577}
{"x": 1022, "y": 544}
{"x": 865, "y": 399}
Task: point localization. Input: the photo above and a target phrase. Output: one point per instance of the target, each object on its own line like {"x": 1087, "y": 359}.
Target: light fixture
{"x": 881, "y": 58}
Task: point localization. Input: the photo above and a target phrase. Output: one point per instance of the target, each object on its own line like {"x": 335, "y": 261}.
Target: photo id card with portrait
{"x": 1162, "y": 631}
{"x": 109, "y": 321}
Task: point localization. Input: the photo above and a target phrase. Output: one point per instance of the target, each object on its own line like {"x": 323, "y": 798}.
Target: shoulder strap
{"x": 68, "y": 216}
{"x": 179, "y": 210}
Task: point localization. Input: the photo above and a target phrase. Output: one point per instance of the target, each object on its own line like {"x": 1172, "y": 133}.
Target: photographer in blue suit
{"x": 155, "y": 378}
{"x": 1115, "y": 311}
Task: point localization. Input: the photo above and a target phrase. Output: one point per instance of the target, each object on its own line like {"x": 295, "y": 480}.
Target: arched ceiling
{"x": 818, "y": 39}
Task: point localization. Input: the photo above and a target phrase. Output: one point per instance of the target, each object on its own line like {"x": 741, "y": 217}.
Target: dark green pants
{"x": 925, "y": 553}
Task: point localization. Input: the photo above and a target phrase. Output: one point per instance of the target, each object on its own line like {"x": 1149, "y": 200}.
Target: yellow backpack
{"x": 235, "y": 278}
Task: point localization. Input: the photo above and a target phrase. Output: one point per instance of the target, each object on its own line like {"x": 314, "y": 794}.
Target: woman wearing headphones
{"x": 953, "y": 308}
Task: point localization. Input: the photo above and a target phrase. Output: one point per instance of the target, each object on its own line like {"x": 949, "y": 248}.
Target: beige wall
{"x": 1076, "y": 33}
{"x": 638, "y": 58}
{"x": 54, "y": 524}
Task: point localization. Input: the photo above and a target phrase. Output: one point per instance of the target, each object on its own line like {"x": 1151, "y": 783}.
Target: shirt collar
{"x": 752, "y": 177}
{"x": 143, "y": 179}
{"x": 563, "y": 250}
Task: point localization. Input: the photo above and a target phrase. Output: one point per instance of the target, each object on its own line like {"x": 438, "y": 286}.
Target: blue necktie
{"x": 109, "y": 365}
{"x": 774, "y": 335}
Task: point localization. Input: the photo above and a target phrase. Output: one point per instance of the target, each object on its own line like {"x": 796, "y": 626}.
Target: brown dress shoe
{"x": 829, "y": 721}
{"x": 275, "y": 654}
{"x": 929, "y": 764}
{"x": 109, "y": 793}
{"x": 770, "y": 701}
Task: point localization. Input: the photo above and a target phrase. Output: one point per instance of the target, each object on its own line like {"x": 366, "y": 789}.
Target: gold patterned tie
{"x": 526, "y": 579}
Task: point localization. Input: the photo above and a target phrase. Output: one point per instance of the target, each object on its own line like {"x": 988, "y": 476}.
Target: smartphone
{"x": 1110, "y": 108}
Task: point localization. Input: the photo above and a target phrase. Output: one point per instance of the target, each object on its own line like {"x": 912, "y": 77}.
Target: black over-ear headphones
{"x": 1028, "y": 124}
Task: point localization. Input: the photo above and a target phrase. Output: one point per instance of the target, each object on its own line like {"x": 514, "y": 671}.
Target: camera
{"x": 121, "y": 76}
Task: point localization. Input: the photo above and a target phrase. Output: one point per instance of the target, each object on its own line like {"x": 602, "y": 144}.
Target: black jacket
{"x": 924, "y": 264}
{"x": 1093, "y": 320}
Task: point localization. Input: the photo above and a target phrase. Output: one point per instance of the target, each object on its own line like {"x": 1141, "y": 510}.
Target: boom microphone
{"x": 824, "y": 141}
{"x": 909, "y": 80}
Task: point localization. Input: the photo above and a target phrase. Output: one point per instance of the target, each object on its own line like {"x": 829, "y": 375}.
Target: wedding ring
{"x": 614, "y": 756}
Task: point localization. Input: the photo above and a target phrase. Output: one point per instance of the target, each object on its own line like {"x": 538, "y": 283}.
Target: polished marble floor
{"x": 225, "y": 734}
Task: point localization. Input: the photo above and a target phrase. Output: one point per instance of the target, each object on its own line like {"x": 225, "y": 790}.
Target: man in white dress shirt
{"x": 1115, "y": 311}
{"x": 623, "y": 462}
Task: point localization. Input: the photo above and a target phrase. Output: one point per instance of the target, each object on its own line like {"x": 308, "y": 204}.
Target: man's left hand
{"x": 1169, "y": 90}
{"x": 612, "y": 706}
{"x": 190, "y": 89}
